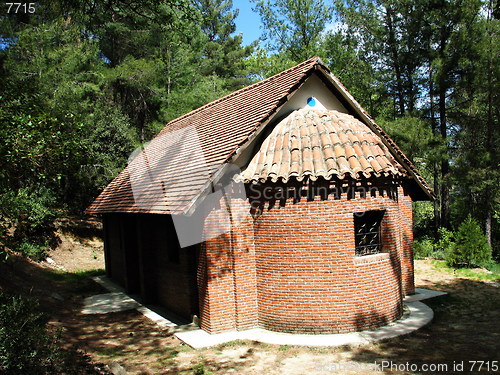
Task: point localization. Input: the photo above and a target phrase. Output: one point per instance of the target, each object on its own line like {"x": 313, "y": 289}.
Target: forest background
{"x": 83, "y": 83}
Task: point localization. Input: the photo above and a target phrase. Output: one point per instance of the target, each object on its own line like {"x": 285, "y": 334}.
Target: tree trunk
{"x": 490, "y": 124}
{"x": 488, "y": 225}
{"x": 443, "y": 128}
{"x": 445, "y": 166}
{"x": 437, "y": 216}
{"x": 395, "y": 60}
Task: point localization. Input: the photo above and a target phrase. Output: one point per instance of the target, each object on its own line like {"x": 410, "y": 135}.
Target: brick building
{"x": 311, "y": 234}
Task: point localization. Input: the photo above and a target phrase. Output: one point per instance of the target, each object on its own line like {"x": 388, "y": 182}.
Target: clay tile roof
{"x": 219, "y": 128}
{"x": 353, "y": 157}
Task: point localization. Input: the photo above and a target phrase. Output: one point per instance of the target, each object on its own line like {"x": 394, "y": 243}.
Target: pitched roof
{"x": 321, "y": 143}
{"x": 160, "y": 179}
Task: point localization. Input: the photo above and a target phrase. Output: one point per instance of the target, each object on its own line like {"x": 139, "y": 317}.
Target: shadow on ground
{"x": 465, "y": 328}
{"x": 60, "y": 295}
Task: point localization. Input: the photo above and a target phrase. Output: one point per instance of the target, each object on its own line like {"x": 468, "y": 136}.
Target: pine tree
{"x": 294, "y": 28}
{"x": 223, "y": 52}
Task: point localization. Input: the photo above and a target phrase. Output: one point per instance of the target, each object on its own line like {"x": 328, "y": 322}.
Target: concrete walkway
{"x": 421, "y": 294}
{"x": 419, "y": 315}
{"x": 108, "y": 302}
{"x": 118, "y": 300}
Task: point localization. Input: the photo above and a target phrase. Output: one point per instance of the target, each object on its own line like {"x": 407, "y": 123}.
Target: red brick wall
{"x": 216, "y": 282}
{"x": 308, "y": 277}
{"x": 227, "y": 280}
{"x": 292, "y": 267}
{"x": 406, "y": 227}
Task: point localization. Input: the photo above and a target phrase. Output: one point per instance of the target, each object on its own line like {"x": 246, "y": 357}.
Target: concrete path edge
{"x": 420, "y": 315}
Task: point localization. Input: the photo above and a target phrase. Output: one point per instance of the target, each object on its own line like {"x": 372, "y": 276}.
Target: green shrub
{"x": 423, "y": 220}
{"x": 28, "y": 221}
{"x": 445, "y": 243}
{"x": 4, "y": 227}
{"x": 470, "y": 247}
{"x": 427, "y": 248}
{"x": 25, "y": 345}
{"x": 32, "y": 213}
{"x": 493, "y": 267}
{"x": 37, "y": 252}
{"x": 423, "y": 249}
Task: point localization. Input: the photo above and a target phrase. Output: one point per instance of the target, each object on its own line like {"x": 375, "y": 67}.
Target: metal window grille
{"x": 367, "y": 232}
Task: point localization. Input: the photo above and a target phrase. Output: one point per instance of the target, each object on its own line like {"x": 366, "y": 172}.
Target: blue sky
{"x": 247, "y": 22}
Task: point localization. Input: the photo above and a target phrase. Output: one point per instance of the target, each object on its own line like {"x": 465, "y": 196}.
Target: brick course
{"x": 291, "y": 266}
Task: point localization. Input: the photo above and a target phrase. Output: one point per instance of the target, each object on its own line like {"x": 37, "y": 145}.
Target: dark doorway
{"x": 131, "y": 253}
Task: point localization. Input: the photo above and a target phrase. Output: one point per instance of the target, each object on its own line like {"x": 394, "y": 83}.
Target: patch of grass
{"x": 165, "y": 363}
{"x": 481, "y": 275}
{"x": 262, "y": 345}
{"x": 230, "y": 344}
{"x": 319, "y": 349}
{"x": 494, "y": 267}
{"x": 78, "y": 282}
{"x": 108, "y": 352}
{"x": 159, "y": 351}
{"x": 440, "y": 265}
{"x": 183, "y": 348}
{"x": 199, "y": 369}
{"x": 172, "y": 354}
{"x": 72, "y": 277}
{"x": 472, "y": 273}
{"x": 165, "y": 358}
{"x": 283, "y": 348}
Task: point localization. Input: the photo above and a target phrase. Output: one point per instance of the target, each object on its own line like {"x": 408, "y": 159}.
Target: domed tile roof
{"x": 321, "y": 143}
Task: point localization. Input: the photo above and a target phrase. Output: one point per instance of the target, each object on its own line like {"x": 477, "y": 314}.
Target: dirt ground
{"x": 465, "y": 328}
{"x": 77, "y": 254}
{"x": 81, "y": 247}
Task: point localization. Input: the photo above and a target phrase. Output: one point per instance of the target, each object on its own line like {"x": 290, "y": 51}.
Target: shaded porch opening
{"x": 143, "y": 255}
